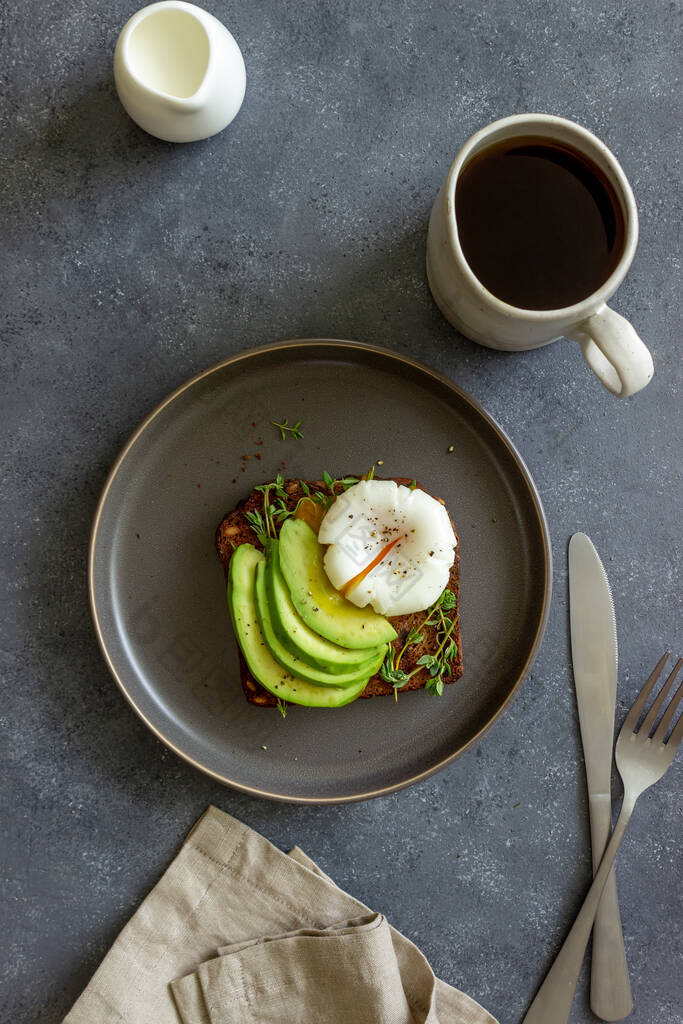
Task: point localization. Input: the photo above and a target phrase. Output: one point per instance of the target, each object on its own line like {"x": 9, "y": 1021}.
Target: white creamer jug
{"x": 178, "y": 71}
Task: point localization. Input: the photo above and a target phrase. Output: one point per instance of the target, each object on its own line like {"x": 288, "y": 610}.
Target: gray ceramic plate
{"x": 158, "y": 595}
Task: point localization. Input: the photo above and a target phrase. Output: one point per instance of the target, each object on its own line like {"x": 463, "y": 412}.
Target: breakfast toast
{"x": 235, "y": 529}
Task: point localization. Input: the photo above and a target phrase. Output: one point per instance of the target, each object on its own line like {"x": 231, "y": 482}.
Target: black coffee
{"x": 539, "y": 224}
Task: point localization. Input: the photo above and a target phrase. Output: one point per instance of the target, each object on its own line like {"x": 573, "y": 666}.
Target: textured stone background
{"x": 128, "y": 264}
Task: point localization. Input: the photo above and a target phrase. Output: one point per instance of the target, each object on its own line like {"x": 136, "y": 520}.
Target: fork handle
{"x": 611, "y": 998}
{"x": 554, "y": 998}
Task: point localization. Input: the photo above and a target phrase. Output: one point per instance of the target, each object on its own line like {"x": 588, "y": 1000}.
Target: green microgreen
{"x": 280, "y": 512}
{"x": 284, "y": 428}
{"x": 430, "y": 662}
{"x": 282, "y": 706}
{"x": 329, "y": 481}
{"x": 323, "y": 499}
{"x": 258, "y": 525}
{"x": 396, "y": 676}
{"x": 275, "y": 510}
{"x": 275, "y": 502}
{"x": 438, "y": 662}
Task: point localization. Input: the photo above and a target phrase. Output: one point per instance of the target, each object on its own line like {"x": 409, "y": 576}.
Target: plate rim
{"x": 344, "y": 345}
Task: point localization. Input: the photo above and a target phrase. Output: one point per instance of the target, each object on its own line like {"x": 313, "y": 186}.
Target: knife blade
{"x": 594, "y": 659}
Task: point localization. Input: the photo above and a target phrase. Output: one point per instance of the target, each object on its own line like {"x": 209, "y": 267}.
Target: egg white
{"x": 363, "y": 520}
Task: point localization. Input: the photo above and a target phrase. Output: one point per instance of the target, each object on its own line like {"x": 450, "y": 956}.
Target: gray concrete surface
{"x": 128, "y": 264}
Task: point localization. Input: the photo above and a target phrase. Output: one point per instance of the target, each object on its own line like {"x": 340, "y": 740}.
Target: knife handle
{"x": 610, "y": 985}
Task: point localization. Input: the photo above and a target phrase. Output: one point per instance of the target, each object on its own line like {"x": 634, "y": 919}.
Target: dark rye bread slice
{"x": 234, "y": 530}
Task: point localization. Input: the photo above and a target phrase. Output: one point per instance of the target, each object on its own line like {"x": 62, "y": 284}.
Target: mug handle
{"x": 614, "y": 352}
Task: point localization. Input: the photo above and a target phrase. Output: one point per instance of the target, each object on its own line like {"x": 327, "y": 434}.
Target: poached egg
{"x": 389, "y": 546}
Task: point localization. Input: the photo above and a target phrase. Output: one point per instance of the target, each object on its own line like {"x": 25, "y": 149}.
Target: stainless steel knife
{"x": 594, "y": 658}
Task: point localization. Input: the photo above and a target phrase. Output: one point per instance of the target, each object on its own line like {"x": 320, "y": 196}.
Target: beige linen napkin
{"x": 237, "y": 932}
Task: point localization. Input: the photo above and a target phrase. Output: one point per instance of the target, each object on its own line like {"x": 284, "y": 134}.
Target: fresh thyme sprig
{"x": 258, "y": 525}
{"x": 326, "y": 499}
{"x": 438, "y": 663}
{"x": 284, "y": 428}
{"x": 263, "y": 523}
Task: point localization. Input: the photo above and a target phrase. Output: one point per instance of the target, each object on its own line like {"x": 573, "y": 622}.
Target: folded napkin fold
{"x": 237, "y": 932}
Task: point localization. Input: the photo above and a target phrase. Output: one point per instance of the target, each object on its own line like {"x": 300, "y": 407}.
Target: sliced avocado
{"x": 322, "y": 607}
{"x": 295, "y": 665}
{"x": 299, "y": 639}
{"x": 272, "y": 676}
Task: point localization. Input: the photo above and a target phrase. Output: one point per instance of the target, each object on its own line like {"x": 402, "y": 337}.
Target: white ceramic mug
{"x": 610, "y": 345}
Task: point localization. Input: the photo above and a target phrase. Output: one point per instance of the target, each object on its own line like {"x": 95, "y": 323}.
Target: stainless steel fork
{"x": 642, "y": 760}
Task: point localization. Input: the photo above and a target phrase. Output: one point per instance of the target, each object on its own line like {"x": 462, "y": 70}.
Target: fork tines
{"x": 633, "y": 717}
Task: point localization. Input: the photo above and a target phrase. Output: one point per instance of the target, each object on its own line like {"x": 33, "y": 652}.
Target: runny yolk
{"x": 360, "y": 576}
{"x": 310, "y": 512}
